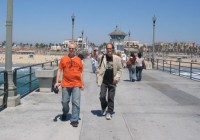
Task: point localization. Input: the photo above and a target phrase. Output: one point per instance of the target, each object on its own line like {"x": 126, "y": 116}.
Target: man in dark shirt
{"x": 111, "y": 71}
{"x": 108, "y": 76}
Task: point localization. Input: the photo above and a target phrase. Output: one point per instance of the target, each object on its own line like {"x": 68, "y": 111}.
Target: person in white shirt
{"x": 124, "y": 59}
{"x": 131, "y": 67}
{"x": 94, "y": 61}
{"x": 139, "y": 61}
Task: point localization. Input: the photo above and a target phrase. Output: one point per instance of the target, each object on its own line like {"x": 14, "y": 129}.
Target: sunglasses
{"x": 71, "y": 48}
{"x": 108, "y": 48}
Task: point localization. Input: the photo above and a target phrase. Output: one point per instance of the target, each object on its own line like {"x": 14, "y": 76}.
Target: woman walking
{"x": 131, "y": 67}
{"x": 94, "y": 61}
{"x": 139, "y": 61}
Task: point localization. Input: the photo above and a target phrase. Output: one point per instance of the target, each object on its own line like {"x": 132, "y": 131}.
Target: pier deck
{"x": 160, "y": 107}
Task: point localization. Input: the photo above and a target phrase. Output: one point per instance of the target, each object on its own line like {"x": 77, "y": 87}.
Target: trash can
{"x": 46, "y": 77}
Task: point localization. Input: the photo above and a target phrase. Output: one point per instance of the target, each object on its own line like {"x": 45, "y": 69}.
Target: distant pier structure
{"x": 117, "y": 38}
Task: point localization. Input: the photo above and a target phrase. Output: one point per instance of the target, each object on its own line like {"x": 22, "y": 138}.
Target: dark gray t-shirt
{"x": 108, "y": 76}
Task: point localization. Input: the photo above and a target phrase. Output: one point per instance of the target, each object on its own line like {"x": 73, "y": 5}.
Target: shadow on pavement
{"x": 126, "y": 80}
{"x": 59, "y": 117}
{"x": 97, "y": 113}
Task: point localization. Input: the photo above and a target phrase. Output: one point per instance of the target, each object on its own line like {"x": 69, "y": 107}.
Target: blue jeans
{"x": 93, "y": 68}
{"x": 131, "y": 70}
{"x": 76, "y": 96}
{"x": 139, "y": 73}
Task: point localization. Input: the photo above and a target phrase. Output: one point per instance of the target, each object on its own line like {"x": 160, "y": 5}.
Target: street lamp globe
{"x": 73, "y": 18}
{"x": 154, "y": 19}
{"x": 82, "y": 32}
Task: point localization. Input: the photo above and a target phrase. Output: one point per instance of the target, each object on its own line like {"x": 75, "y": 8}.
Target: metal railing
{"x": 25, "y": 80}
{"x": 185, "y": 69}
{"x": 4, "y": 91}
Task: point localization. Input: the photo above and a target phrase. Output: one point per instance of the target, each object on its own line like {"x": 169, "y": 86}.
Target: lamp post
{"x": 145, "y": 50}
{"x": 73, "y": 19}
{"x": 129, "y": 33}
{"x": 13, "y": 98}
{"x": 86, "y": 43}
{"x": 163, "y": 49}
{"x": 82, "y": 39}
{"x": 154, "y": 22}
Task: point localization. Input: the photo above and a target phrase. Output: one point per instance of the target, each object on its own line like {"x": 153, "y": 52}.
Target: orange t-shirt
{"x": 72, "y": 71}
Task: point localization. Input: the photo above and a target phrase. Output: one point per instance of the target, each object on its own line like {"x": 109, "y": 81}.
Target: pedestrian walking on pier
{"x": 72, "y": 82}
{"x": 123, "y": 59}
{"x": 94, "y": 60}
{"x": 108, "y": 75}
{"x": 139, "y": 63}
{"x": 131, "y": 67}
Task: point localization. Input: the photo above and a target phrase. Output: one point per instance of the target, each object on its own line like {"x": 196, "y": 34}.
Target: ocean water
{"x": 21, "y": 88}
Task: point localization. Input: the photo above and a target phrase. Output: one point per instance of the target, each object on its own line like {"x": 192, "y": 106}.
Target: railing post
{"x": 179, "y": 67}
{"x": 15, "y": 77}
{"x": 5, "y": 99}
{"x": 163, "y": 64}
{"x": 30, "y": 78}
{"x": 190, "y": 70}
{"x": 157, "y": 64}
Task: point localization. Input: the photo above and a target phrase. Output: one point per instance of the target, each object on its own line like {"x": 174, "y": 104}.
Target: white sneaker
{"x": 103, "y": 112}
{"x": 108, "y": 116}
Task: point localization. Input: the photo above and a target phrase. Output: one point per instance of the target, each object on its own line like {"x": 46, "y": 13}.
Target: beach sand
{"x": 25, "y": 59}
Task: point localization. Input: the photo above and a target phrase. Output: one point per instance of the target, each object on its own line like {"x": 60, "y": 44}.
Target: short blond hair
{"x": 72, "y": 44}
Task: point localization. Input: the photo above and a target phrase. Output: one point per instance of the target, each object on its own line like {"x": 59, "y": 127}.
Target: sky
{"x": 49, "y": 21}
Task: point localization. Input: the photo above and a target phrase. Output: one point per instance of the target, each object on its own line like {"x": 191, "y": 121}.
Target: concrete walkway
{"x": 160, "y": 107}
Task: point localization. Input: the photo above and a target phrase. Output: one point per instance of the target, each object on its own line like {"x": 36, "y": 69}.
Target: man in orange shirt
{"x": 72, "y": 82}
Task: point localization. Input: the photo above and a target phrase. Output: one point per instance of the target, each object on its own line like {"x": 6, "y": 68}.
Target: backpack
{"x": 131, "y": 61}
{"x": 128, "y": 63}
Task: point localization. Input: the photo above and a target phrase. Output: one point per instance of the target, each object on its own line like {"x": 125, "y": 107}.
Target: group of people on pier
{"x": 135, "y": 64}
{"x": 108, "y": 69}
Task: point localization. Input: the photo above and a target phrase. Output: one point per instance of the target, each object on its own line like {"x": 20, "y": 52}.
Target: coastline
{"x": 20, "y": 60}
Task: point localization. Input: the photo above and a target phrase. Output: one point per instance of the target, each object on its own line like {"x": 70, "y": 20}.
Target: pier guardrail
{"x": 25, "y": 80}
{"x": 189, "y": 70}
{"x": 4, "y": 82}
